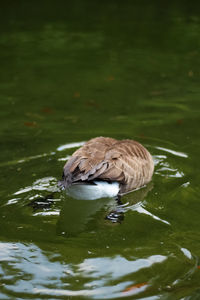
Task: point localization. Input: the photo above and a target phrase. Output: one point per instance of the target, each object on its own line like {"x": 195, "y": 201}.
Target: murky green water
{"x": 73, "y": 71}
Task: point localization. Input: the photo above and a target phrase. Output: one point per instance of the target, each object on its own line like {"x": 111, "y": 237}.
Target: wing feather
{"x": 126, "y": 161}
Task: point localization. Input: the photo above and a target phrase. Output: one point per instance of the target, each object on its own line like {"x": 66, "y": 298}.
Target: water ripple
{"x": 44, "y": 271}
{"x": 70, "y": 146}
{"x": 117, "y": 267}
{"x": 176, "y": 153}
{"x": 43, "y": 184}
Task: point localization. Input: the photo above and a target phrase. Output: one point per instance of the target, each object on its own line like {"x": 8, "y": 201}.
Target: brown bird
{"x": 106, "y": 167}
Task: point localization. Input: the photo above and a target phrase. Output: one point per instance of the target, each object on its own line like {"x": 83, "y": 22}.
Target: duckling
{"x": 106, "y": 167}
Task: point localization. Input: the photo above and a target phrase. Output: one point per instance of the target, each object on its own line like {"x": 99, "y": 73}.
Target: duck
{"x": 107, "y": 167}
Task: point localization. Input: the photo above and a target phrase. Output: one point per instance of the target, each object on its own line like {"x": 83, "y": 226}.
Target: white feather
{"x": 101, "y": 189}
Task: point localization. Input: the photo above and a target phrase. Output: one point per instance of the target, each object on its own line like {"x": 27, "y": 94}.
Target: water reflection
{"x": 38, "y": 156}
{"x": 26, "y": 269}
{"x": 175, "y": 153}
{"x": 70, "y": 146}
{"x": 163, "y": 167}
{"x": 43, "y": 184}
{"x": 96, "y": 277}
{"x": 140, "y": 209}
{"x": 26, "y": 261}
{"x": 32, "y": 272}
{"x": 117, "y": 267}
{"x": 133, "y": 67}
{"x": 75, "y": 214}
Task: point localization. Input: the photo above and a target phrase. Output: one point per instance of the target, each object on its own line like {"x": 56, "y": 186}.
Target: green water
{"x": 71, "y": 71}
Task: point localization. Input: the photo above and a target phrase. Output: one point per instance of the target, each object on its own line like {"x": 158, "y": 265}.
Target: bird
{"x": 107, "y": 167}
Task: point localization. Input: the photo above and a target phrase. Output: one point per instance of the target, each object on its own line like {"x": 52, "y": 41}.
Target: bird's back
{"x": 108, "y": 159}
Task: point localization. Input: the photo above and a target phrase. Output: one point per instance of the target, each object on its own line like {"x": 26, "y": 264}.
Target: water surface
{"x": 73, "y": 71}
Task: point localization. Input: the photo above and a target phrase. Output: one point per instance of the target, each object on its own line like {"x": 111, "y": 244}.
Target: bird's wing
{"x": 87, "y": 161}
{"x": 126, "y": 161}
{"x": 132, "y": 165}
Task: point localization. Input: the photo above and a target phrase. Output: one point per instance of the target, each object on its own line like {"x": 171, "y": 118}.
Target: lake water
{"x": 71, "y": 71}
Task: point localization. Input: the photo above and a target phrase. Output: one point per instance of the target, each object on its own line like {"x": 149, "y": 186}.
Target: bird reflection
{"x": 76, "y": 214}
{"x": 127, "y": 203}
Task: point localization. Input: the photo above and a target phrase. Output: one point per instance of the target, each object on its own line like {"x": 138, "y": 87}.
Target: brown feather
{"x": 125, "y": 161}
